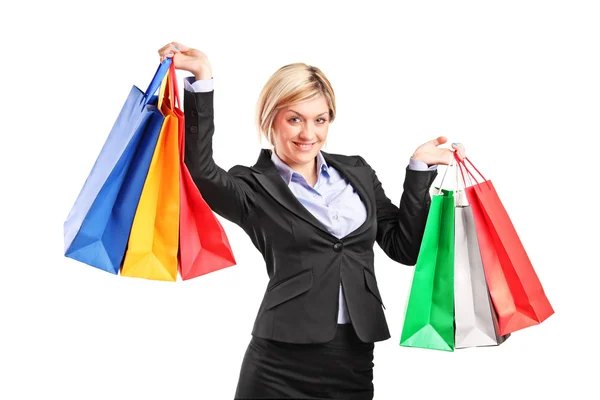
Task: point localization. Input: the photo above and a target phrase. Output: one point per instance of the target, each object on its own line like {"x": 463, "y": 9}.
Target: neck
{"x": 308, "y": 170}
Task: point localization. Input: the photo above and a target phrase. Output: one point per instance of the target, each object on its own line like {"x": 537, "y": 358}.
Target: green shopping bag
{"x": 429, "y": 318}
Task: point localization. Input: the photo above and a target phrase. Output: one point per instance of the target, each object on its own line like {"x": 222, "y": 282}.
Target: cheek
{"x": 285, "y": 133}
{"x": 322, "y": 132}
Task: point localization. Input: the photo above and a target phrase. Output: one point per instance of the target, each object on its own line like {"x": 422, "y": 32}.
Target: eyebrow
{"x": 326, "y": 112}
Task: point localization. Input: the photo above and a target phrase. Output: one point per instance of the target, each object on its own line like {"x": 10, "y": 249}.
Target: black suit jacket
{"x": 305, "y": 263}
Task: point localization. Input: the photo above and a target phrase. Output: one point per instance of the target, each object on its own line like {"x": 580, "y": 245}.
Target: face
{"x": 300, "y": 131}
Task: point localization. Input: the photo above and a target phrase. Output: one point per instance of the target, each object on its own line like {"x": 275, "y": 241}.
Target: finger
{"x": 170, "y": 54}
{"x": 457, "y": 154}
{"x": 460, "y": 149}
{"x": 439, "y": 140}
{"x": 169, "y": 50}
{"x": 164, "y": 48}
{"x": 180, "y": 47}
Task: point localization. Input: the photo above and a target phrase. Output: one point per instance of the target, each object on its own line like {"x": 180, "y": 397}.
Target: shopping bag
{"x": 98, "y": 225}
{"x": 429, "y": 316}
{"x": 154, "y": 238}
{"x": 204, "y": 246}
{"x": 475, "y": 320}
{"x": 516, "y": 291}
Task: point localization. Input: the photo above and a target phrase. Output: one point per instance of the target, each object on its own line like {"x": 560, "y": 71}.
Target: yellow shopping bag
{"x": 154, "y": 238}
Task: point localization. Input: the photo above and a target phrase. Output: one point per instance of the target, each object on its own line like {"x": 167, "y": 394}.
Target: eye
{"x": 293, "y": 118}
{"x": 323, "y": 120}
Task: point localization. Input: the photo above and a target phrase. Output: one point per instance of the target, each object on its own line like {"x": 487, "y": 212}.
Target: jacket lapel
{"x": 271, "y": 181}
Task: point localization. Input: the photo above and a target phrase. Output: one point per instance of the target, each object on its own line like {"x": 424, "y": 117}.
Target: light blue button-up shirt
{"x": 333, "y": 201}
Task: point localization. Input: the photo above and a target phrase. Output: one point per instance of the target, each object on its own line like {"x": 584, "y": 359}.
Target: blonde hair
{"x": 291, "y": 84}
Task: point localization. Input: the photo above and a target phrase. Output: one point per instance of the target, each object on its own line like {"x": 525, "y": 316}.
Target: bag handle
{"x": 470, "y": 175}
{"x": 464, "y": 168}
{"x": 173, "y": 103}
{"x": 467, "y": 168}
{"x": 460, "y": 196}
{"x": 475, "y": 168}
{"x": 165, "y": 87}
{"x": 176, "y": 103}
{"x": 170, "y": 90}
{"x": 157, "y": 80}
{"x": 175, "y": 94}
{"x": 444, "y": 176}
{"x": 461, "y": 167}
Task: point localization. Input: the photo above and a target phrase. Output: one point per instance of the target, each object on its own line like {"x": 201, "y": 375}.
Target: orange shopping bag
{"x": 154, "y": 240}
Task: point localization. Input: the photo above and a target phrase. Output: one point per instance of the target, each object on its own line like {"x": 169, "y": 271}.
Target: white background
{"x": 518, "y": 82}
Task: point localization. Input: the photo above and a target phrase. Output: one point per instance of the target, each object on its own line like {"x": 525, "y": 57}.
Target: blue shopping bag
{"x": 97, "y": 228}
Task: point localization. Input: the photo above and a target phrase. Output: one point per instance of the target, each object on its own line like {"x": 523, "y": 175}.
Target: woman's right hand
{"x": 187, "y": 59}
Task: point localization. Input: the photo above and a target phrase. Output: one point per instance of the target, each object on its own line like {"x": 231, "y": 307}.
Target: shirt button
{"x": 338, "y": 247}
{"x": 194, "y": 129}
{"x": 335, "y": 217}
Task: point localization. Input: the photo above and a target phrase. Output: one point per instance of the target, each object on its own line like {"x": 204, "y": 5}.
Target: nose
{"x": 307, "y": 133}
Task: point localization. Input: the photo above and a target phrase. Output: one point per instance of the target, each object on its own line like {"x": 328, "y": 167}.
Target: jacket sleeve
{"x": 400, "y": 229}
{"x": 226, "y": 194}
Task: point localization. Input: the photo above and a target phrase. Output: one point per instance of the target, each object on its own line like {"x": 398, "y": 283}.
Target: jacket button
{"x": 338, "y": 247}
{"x": 194, "y": 129}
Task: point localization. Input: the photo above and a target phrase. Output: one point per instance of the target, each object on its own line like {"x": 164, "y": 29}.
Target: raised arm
{"x": 400, "y": 228}
{"x": 226, "y": 194}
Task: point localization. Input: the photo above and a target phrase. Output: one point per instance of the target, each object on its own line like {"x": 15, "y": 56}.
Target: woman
{"x": 314, "y": 217}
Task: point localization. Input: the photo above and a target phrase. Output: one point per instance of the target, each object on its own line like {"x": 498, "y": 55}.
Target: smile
{"x": 304, "y": 146}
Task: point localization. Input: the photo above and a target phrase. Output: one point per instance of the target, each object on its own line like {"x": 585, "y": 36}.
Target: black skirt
{"x": 339, "y": 369}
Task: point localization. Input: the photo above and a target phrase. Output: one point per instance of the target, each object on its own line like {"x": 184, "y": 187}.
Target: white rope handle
{"x": 444, "y": 177}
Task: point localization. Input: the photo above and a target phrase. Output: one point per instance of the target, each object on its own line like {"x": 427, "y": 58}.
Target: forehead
{"x": 312, "y": 107}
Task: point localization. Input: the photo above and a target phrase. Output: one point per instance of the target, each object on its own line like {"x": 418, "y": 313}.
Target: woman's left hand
{"x": 431, "y": 154}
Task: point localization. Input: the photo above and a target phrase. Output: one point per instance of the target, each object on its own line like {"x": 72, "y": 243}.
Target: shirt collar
{"x": 287, "y": 173}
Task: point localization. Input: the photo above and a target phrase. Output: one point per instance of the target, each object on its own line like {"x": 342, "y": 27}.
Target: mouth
{"x": 304, "y": 146}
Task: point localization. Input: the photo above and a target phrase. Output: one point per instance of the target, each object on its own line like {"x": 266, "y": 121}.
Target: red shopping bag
{"x": 203, "y": 244}
{"x": 516, "y": 291}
